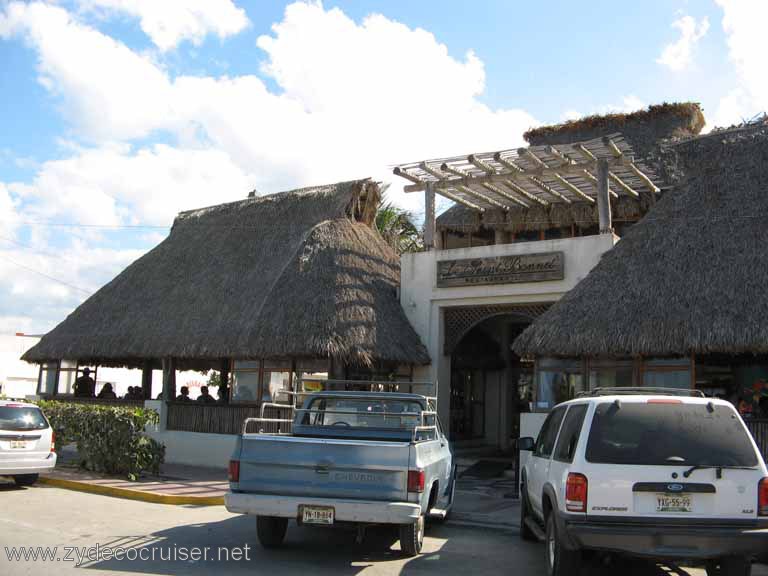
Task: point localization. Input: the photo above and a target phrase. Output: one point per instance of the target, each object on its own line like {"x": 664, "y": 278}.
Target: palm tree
{"x": 397, "y": 228}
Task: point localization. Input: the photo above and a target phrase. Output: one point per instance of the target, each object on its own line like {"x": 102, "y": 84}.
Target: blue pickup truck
{"x": 352, "y": 459}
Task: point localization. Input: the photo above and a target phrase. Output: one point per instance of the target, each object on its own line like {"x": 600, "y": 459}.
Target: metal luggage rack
{"x": 283, "y": 426}
{"x": 636, "y": 390}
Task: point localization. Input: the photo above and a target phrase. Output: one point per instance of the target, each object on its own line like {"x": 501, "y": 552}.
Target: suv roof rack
{"x": 634, "y": 390}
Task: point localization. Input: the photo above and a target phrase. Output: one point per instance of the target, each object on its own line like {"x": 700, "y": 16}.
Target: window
{"x": 610, "y": 374}
{"x": 668, "y": 435}
{"x": 546, "y": 440}
{"x": 310, "y": 376}
{"x": 21, "y": 418}
{"x": 557, "y": 381}
{"x": 277, "y": 378}
{"x": 667, "y": 373}
{"x": 245, "y": 381}
{"x": 48, "y": 376}
{"x": 363, "y": 413}
{"x": 569, "y": 435}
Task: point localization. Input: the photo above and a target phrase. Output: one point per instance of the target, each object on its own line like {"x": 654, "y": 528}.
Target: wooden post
{"x": 429, "y": 216}
{"x": 225, "y": 380}
{"x": 146, "y": 380}
{"x": 169, "y": 379}
{"x": 603, "y": 198}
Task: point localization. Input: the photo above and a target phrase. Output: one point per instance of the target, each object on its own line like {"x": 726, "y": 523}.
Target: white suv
{"x": 27, "y": 442}
{"x": 649, "y": 472}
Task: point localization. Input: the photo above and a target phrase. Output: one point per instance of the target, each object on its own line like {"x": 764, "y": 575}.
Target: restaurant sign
{"x": 501, "y": 270}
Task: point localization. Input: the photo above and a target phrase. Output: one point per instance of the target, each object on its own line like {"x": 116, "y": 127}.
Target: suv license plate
{"x": 316, "y": 515}
{"x": 18, "y": 444}
{"x": 673, "y": 503}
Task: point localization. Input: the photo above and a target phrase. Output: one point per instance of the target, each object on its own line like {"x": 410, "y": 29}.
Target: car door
{"x": 538, "y": 467}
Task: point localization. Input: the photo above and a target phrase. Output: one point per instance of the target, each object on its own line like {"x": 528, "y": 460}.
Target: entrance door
{"x": 467, "y": 404}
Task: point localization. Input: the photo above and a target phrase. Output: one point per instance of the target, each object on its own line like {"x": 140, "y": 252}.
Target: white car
{"x": 649, "y": 472}
{"x": 27, "y": 442}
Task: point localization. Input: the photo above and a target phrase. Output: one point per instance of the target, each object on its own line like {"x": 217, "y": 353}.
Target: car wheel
{"x": 271, "y": 530}
{"x": 525, "y": 531}
{"x": 412, "y": 537}
{"x": 559, "y": 560}
{"x": 730, "y": 566}
{"x": 25, "y": 479}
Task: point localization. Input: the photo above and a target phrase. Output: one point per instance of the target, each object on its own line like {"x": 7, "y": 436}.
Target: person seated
{"x": 106, "y": 392}
{"x": 184, "y": 396}
{"x": 205, "y": 397}
{"x": 85, "y": 386}
{"x": 129, "y": 395}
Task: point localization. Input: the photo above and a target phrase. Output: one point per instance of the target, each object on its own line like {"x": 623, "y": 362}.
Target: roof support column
{"x": 429, "y": 216}
{"x": 603, "y": 198}
{"x": 169, "y": 380}
{"x": 146, "y": 380}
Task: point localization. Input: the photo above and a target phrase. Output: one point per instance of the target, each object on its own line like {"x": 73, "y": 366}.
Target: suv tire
{"x": 25, "y": 479}
{"x": 271, "y": 531}
{"x": 412, "y": 537}
{"x": 525, "y": 512}
{"x": 559, "y": 560}
{"x": 730, "y": 566}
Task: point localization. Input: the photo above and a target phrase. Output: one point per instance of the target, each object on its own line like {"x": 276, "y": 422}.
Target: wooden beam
{"x": 565, "y": 160}
{"x": 523, "y": 192}
{"x": 581, "y": 149}
{"x": 482, "y": 197}
{"x": 611, "y": 145}
{"x": 429, "y": 217}
{"x": 508, "y": 164}
{"x": 484, "y": 166}
{"x": 506, "y": 195}
{"x": 573, "y": 188}
{"x": 404, "y": 174}
{"x": 549, "y": 190}
{"x": 623, "y": 185}
{"x": 647, "y": 181}
{"x": 445, "y": 167}
{"x": 538, "y": 162}
{"x": 588, "y": 175}
{"x": 432, "y": 171}
{"x": 603, "y": 199}
{"x": 460, "y": 200}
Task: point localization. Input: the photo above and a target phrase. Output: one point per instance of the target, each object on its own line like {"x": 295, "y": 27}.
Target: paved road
{"x": 46, "y": 516}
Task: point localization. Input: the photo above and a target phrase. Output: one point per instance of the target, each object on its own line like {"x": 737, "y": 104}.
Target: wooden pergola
{"x": 591, "y": 171}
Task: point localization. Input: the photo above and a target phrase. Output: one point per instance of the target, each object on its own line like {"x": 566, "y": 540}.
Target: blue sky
{"x": 117, "y": 114}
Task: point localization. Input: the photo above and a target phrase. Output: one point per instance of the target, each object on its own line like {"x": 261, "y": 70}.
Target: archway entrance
{"x": 490, "y": 384}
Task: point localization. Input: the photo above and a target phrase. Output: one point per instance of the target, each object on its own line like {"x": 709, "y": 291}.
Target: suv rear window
{"x": 668, "y": 435}
{"x": 21, "y": 418}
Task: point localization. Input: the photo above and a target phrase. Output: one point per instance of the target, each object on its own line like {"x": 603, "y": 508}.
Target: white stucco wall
{"x": 195, "y": 449}
{"x": 423, "y": 301}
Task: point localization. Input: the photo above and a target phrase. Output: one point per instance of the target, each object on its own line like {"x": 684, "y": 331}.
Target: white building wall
{"x": 423, "y": 302}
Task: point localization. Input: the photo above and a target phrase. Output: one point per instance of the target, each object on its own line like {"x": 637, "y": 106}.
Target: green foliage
{"x": 110, "y": 439}
{"x": 397, "y": 228}
{"x": 214, "y": 379}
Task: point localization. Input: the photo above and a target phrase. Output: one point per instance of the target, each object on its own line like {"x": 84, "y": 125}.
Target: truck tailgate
{"x": 324, "y": 468}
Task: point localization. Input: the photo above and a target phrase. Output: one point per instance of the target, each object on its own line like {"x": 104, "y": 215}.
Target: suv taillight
{"x": 415, "y": 480}
{"x": 234, "y": 471}
{"x": 762, "y": 497}
{"x": 53, "y": 441}
{"x": 576, "y": 493}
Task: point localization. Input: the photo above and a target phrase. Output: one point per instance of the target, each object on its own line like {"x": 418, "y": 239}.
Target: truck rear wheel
{"x": 730, "y": 566}
{"x": 412, "y": 537}
{"x": 271, "y": 530}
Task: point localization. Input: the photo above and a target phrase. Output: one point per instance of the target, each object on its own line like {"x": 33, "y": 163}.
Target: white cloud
{"x": 678, "y": 55}
{"x": 747, "y": 46}
{"x": 169, "y": 22}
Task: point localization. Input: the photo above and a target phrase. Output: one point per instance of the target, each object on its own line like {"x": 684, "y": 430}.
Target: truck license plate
{"x": 316, "y": 515}
{"x": 673, "y": 503}
{"x": 18, "y": 444}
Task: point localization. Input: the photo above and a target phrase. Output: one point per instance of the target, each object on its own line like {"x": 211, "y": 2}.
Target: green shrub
{"x": 110, "y": 439}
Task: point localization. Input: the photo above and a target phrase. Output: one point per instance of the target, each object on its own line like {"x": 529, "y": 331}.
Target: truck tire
{"x": 559, "y": 560}
{"x": 25, "y": 479}
{"x": 412, "y": 537}
{"x": 730, "y": 566}
{"x": 525, "y": 512}
{"x": 271, "y": 531}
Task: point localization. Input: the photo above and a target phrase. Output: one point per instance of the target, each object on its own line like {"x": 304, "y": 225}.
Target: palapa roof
{"x": 690, "y": 278}
{"x": 297, "y": 274}
{"x": 643, "y": 129}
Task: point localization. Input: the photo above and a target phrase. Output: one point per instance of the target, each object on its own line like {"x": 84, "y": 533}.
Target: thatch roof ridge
{"x": 207, "y": 290}
{"x": 687, "y": 279}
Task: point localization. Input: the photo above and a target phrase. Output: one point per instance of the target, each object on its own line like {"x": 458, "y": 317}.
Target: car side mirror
{"x": 526, "y": 444}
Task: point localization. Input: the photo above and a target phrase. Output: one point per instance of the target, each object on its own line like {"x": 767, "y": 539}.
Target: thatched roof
{"x": 690, "y": 277}
{"x": 645, "y": 130}
{"x": 295, "y": 274}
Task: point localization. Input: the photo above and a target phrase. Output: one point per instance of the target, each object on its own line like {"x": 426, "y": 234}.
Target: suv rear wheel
{"x": 25, "y": 479}
{"x": 560, "y": 560}
{"x": 271, "y": 530}
{"x": 730, "y": 566}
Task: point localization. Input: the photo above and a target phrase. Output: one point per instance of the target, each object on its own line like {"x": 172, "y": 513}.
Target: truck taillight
{"x": 234, "y": 471}
{"x": 576, "y": 493}
{"x": 415, "y": 480}
{"x": 762, "y": 497}
{"x": 53, "y": 441}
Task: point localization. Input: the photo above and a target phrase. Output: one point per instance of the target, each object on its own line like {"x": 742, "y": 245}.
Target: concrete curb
{"x": 127, "y": 493}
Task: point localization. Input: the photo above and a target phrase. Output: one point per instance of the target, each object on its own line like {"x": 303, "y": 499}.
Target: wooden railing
{"x": 759, "y": 430}
{"x": 210, "y": 418}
